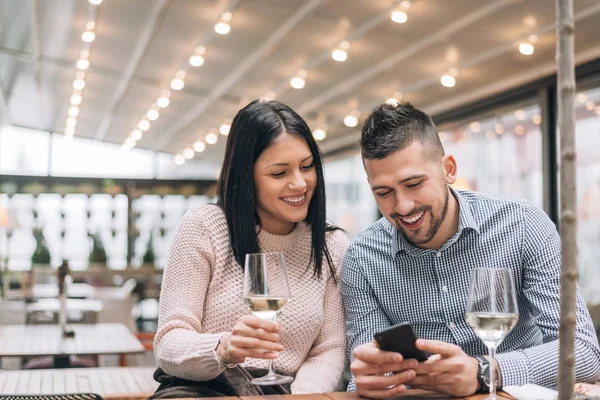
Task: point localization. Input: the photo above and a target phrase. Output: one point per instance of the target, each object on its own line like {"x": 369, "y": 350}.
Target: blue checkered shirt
{"x": 386, "y": 280}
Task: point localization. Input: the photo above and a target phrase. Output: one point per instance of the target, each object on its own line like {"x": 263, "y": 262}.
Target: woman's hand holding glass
{"x": 250, "y": 337}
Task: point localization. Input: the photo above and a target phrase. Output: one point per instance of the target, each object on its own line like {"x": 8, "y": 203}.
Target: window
{"x": 499, "y": 153}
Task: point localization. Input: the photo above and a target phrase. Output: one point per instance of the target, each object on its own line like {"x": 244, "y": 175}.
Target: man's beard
{"x": 435, "y": 222}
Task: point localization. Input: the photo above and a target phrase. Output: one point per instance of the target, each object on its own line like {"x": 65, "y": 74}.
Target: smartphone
{"x": 400, "y": 338}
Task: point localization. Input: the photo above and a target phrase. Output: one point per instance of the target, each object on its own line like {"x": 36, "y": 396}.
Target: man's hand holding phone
{"x": 380, "y": 374}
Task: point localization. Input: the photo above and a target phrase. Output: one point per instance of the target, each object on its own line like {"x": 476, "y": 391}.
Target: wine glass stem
{"x": 492, "y": 350}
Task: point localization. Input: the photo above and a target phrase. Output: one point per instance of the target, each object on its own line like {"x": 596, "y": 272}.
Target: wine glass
{"x": 266, "y": 292}
{"x": 492, "y": 310}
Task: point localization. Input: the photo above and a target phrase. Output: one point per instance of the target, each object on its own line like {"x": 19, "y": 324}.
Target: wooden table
{"x": 111, "y": 383}
{"x": 46, "y": 340}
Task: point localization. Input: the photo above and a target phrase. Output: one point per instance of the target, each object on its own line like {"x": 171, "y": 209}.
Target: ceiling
{"x": 141, "y": 44}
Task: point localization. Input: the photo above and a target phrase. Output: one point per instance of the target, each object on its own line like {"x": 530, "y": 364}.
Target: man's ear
{"x": 449, "y": 168}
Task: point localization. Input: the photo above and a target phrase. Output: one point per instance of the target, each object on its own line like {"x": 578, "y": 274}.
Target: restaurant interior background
{"x": 114, "y": 115}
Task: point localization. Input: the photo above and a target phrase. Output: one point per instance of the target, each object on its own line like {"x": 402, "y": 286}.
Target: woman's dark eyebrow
{"x": 285, "y": 164}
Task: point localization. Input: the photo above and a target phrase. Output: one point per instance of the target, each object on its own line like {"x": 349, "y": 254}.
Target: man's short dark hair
{"x": 390, "y": 128}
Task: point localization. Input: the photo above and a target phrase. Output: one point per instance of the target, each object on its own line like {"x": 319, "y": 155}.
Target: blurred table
{"x": 53, "y": 305}
{"x": 111, "y": 383}
{"x": 47, "y": 340}
{"x": 74, "y": 290}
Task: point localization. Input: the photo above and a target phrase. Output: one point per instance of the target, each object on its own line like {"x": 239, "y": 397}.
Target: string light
{"x": 589, "y": 105}
{"x": 448, "y": 81}
{"x": 475, "y": 126}
{"x": 152, "y": 114}
{"x": 298, "y": 81}
{"x": 179, "y": 159}
{"x": 351, "y": 120}
{"x": 526, "y": 49}
{"x": 520, "y": 115}
{"x": 76, "y": 99}
{"x": 96, "y": 2}
{"x": 82, "y": 64}
{"x": 69, "y": 131}
{"x": 319, "y": 134}
{"x": 129, "y": 142}
{"x": 88, "y": 36}
{"x": 188, "y": 153}
{"x": 137, "y": 134}
{"x": 71, "y": 122}
{"x": 399, "y": 16}
{"x": 499, "y": 128}
{"x": 340, "y": 54}
{"x": 73, "y": 111}
{"x": 199, "y": 146}
{"x": 536, "y": 119}
{"x": 177, "y": 83}
{"x": 211, "y": 138}
{"x": 144, "y": 125}
{"x": 224, "y": 129}
{"x": 163, "y": 101}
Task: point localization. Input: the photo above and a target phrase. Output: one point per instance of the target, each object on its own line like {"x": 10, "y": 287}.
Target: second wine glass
{"x": 492, "y": 311}
{"x": 266, "y": 293}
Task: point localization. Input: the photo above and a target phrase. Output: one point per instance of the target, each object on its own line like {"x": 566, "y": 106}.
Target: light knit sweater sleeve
{"x": 322, "y": 369}
{"x": 180, "y": 350}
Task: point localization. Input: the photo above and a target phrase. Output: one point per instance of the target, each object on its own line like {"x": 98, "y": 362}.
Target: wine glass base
{"x": 272, "y": 379}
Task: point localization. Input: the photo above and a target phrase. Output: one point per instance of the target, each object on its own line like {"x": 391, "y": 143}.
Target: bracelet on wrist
{"x": 221, "y": 361}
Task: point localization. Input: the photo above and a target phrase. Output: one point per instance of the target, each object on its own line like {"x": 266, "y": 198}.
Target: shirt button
{"x": 451, "y": 325}
{"x": 445, "y": 289}
{"x": 439, "y": 254}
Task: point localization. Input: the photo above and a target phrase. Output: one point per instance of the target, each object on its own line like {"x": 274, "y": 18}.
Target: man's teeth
{"x": 294, "y": 199}
{"x": 414, "y": 219}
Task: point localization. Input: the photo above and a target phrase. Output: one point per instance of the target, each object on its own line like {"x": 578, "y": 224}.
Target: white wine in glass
{"x": 266, "y": 293}
{"x": 492, "y": 311}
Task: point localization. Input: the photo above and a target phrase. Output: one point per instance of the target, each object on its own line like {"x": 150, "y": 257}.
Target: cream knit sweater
{"x": 201, "y": 299}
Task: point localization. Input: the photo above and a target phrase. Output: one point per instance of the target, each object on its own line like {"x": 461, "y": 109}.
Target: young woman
{"x": 271, "y": 198}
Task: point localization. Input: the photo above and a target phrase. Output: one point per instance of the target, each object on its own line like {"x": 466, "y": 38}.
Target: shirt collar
{"x": 466, "y": 220}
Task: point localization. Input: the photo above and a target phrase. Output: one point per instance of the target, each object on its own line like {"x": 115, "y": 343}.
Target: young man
{"x": 413, "y": 266}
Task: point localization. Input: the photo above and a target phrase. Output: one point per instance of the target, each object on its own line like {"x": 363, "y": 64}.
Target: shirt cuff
{"x": 514, "y": 367}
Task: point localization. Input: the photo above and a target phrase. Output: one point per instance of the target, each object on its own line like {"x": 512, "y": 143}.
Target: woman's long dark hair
{"x": 255, "y": 128}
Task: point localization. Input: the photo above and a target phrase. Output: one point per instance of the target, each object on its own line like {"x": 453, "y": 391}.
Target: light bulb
{"x": 69, "y": 131}
{"x": 405, "y": 4}
{"x": 297, "y": 82}
{"x": 392, "y": 101}
{"x": 475, "y": 126}
{"x": 339, "y": 55}
{"x": 226, "y": 16}
{"x": 520, "y": 130}
{"x": 448, "y": 81}
{"x": 196, "y": 60}
{"x": 536, "y": 119}
{"x": 189, "y": 153}
{"x": 163, "y": 101}
{"x": 222, "y": 28}
{"x": 78, "y": 84}
{"x": 351, "y": 120}
{"x": 179, "y": 159}
{"x": 129, "y": 142}
{"x": 152, "y": 114}
{"x": 399, "y": 16}
{"x": 177, "y": 84}
{"x": 144, "y": 125}
{"x": 211, "y": 138}
{"x": 521, "y": 115}
{"x": 199, "y": 146}
{"x": 224, "y": 129}
{"x": 526, "y": 49}
{"x": 82, "y": 64}
{"x": 499, "y": 128}
{"x": 71, "y": 122}
{"x": 88, "y": 36}
{"x": 319, "y": 134}
{"x": 96, "y": 2}
{"x": 76, "y": 99}
{"x": 73, "y": 111}
{"x": 581, "y": 98}
{"x": 597, "y": 110}
{"x": 137, "y": 134}
{"x": 590, "y": 105}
